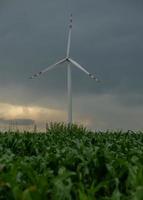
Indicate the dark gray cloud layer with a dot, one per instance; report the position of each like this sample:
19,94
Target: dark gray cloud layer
107,39
20,122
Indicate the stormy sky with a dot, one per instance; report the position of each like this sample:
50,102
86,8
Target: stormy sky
106,39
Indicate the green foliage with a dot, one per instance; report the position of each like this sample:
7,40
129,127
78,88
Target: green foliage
70,162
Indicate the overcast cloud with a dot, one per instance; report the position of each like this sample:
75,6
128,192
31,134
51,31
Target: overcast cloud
106,39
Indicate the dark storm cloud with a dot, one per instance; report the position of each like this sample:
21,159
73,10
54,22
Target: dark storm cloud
107,39
20,122
104,112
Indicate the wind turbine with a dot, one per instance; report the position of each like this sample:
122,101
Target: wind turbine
69,61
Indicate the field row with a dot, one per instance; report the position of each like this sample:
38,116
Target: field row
71,163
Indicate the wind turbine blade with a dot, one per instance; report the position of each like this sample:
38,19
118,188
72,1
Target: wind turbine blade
48,68
83,69
69,37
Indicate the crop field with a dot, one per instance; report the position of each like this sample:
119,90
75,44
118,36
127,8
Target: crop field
71,163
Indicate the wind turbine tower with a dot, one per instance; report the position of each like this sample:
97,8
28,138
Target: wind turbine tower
69,61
